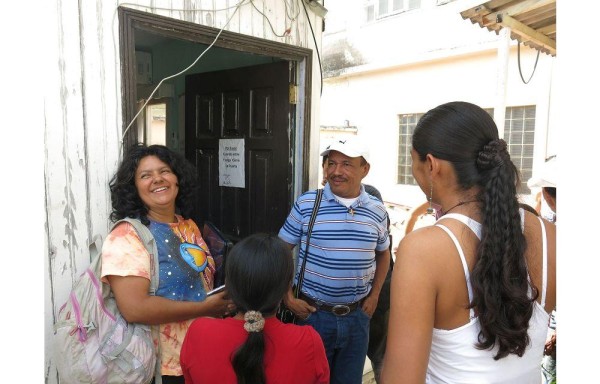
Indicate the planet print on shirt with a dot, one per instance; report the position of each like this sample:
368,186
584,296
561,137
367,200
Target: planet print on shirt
194,255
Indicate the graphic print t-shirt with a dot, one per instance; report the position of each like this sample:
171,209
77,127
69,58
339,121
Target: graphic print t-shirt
186,272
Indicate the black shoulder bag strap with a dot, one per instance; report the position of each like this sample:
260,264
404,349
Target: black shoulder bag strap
311,223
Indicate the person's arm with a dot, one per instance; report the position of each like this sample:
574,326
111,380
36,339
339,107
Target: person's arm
382,265
126,266
412,311
414,216
298,306
138,306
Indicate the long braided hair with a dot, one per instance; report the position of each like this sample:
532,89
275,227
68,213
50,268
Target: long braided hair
466,136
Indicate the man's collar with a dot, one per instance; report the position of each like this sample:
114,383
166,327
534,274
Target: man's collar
362,199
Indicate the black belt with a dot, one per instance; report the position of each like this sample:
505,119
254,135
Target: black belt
338,309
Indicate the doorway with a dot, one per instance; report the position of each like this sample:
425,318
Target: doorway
250,106
262,204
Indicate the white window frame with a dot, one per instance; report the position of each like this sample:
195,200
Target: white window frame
406,129
519,123
403,6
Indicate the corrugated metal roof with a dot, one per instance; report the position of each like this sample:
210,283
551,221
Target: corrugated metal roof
532,22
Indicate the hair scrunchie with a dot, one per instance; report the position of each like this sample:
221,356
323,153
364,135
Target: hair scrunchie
254,321
493,155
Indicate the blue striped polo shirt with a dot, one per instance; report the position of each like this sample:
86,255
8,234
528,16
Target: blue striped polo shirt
341,257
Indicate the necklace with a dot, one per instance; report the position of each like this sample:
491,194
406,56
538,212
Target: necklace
458,205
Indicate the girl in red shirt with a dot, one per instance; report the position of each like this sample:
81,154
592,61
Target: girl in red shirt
254,346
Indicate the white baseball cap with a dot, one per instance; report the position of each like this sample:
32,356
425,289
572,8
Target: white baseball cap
349,147
546,177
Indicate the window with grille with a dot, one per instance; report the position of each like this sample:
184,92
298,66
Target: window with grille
519,126
407,127
382,8
519,132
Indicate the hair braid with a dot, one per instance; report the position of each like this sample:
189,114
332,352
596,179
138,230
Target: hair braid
499,278
465,135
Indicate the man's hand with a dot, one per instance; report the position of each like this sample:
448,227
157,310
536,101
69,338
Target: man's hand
299,307
550,347
370,304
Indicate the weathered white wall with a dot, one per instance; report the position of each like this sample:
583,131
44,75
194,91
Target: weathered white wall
82,112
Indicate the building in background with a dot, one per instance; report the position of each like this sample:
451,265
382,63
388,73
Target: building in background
386,62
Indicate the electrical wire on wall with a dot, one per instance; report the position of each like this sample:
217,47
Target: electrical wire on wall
178,73
316,46
292,19
519,63
289,10
236,7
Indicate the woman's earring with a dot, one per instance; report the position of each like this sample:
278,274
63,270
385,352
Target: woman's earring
430,210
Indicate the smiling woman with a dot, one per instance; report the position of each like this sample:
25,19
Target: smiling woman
156,185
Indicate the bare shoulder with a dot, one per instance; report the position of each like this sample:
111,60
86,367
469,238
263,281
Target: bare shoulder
533,229
426,248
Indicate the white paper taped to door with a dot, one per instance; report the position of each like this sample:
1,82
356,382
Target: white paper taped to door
231,163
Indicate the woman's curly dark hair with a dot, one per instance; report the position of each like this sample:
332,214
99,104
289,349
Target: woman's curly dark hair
466,136
126,201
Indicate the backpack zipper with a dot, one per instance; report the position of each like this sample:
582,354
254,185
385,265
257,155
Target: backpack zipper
99,294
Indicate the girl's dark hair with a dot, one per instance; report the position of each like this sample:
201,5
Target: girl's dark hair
467,137
258,273
126,201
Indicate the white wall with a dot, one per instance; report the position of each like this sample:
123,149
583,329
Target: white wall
83,121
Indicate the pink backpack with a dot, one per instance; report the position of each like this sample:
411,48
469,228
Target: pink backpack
93,343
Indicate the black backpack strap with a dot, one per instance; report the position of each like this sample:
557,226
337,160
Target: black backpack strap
311,223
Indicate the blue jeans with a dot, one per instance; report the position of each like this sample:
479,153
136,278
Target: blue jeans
346,339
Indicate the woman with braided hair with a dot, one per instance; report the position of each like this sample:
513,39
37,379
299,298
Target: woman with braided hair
471,294
254,347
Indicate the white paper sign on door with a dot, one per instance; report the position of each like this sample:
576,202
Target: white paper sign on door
231,163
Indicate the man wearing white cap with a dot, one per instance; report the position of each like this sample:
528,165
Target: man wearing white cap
546,179
348,259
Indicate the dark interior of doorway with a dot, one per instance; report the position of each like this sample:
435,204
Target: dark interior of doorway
169,45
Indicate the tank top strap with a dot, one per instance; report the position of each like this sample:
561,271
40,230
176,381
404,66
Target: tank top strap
544,263
476,228
464,264
472,224
544,259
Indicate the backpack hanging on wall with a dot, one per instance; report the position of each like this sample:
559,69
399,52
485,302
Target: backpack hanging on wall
93,343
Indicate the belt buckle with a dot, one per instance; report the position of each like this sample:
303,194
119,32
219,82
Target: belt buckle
340,310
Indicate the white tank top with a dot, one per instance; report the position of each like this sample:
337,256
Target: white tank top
454,358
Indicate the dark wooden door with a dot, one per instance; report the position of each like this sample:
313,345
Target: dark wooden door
250,103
